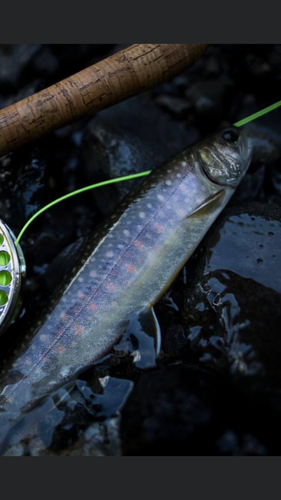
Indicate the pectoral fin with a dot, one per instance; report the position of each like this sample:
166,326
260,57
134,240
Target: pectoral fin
144,333
150,325
208,204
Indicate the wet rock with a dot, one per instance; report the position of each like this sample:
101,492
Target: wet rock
174,340
254,430
106,400
42,279
272,184
261,180
98,401
175,105
184,410
181,409
131,137
80,54
45,63
22,93
22,177
171,412
232,444
208,98
14,59
251,188
109,154
60,428
233,297
54,230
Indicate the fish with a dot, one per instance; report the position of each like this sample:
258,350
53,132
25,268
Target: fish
126,268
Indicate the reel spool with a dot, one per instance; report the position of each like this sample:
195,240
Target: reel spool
12,269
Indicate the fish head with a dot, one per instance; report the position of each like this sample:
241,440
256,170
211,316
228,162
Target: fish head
226,156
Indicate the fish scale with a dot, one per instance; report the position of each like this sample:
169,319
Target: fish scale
139,252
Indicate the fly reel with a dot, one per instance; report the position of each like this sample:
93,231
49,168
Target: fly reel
12,269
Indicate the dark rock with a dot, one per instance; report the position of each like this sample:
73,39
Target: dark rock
174,339
208,98
172,411
109,154
230,443
45,63
73,54
184,410
177,106
22,177
251,188
131,137
25,91
233,298
14,59
272,184
60,428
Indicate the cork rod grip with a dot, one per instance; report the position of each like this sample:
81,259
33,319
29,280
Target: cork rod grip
120,76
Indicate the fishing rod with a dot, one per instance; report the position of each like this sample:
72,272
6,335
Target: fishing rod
125,74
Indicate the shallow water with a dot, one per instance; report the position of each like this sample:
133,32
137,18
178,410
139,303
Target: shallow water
233,314
247,243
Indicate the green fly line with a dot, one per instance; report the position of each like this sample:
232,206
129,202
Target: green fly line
240,123
79,191
257,115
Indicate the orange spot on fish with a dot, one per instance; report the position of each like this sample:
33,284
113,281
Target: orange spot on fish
78,329
158,228
61,349
63,316
155,247
77,311
130,268
113,272
110,287
28,361
43,337
180,212
81,295
138,244
93,307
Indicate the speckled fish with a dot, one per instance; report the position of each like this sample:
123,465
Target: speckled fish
137,256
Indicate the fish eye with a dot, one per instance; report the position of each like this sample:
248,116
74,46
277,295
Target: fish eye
230,135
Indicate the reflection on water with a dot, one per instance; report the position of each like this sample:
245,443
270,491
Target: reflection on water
247,243
83,418
233,314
